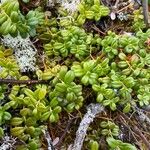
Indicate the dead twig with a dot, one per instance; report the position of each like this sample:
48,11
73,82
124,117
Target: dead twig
137,130
126,7
13,81
98,30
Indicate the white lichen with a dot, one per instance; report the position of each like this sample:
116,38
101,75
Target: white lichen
7,143
24,51
70,6
122,16
92,111
50,3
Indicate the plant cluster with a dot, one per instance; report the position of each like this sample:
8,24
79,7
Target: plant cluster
91,10
118,144
115,69
72,40
138,22
110,130
67,92
13,22
8,64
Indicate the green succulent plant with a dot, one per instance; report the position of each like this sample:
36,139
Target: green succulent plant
138,21
118,144
109,128
32,144
3,89
129,43
8,64
143,95
73,40
94,145
4,115
90,70
67,93
49,73
9,68
91,10
110,44
13,22
106,96
143,37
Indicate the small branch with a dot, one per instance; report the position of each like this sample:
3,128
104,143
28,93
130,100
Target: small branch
13,81
123,8
98,30
92,111
49,140
136,130
145,141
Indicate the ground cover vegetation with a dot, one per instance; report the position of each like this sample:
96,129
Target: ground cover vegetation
59,57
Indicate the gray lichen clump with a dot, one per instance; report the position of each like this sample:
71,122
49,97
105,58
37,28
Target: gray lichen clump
7,143
24,52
